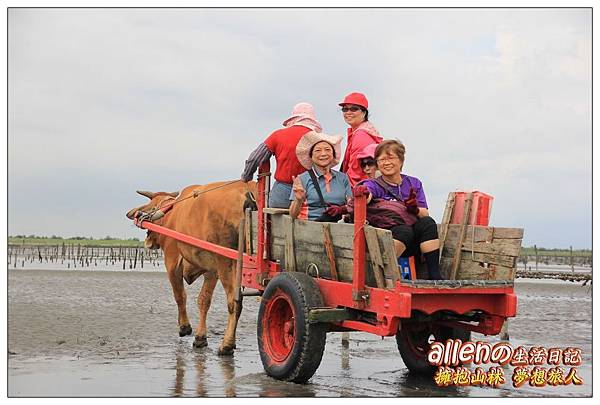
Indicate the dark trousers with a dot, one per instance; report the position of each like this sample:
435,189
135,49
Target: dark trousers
412,236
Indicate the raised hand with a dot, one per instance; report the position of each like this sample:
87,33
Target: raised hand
298,189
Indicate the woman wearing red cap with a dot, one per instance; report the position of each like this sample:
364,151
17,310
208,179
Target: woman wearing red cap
361,133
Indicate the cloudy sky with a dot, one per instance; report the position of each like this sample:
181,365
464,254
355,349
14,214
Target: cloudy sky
102,102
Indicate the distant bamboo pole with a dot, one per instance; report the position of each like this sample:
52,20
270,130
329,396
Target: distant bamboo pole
572,265
345,339
504,331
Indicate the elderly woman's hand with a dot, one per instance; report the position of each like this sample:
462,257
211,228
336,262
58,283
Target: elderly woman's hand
298,189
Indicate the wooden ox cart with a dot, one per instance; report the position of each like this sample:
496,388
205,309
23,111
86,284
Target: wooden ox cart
316,278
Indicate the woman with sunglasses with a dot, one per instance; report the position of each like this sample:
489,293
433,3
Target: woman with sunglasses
361,133
367,161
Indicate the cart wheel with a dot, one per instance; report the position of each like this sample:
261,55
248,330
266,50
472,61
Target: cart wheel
414,341
290,347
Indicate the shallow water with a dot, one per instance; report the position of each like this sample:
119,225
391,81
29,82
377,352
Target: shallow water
114,333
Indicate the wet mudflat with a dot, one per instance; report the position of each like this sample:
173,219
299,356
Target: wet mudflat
114,333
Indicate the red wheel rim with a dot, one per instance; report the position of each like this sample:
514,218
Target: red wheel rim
279,327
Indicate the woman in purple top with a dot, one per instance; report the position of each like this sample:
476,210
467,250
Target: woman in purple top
392,185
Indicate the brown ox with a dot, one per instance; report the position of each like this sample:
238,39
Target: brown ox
213,215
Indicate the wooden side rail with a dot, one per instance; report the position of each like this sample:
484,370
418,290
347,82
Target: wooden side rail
487,253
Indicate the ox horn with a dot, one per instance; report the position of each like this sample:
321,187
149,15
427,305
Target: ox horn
174,194
157,215
148,194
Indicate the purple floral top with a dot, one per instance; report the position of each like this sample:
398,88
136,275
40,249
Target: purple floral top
402,191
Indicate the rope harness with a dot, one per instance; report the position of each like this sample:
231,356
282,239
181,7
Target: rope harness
165,206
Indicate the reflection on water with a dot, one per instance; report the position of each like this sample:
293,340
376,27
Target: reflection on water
419,385
177,389
201,362
83,344
271,388
345,357
228,369
200,367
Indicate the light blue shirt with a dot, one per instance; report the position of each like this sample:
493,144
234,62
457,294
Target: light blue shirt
339,192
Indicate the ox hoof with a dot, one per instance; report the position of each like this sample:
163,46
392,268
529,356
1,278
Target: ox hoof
185,330
200,341
226,351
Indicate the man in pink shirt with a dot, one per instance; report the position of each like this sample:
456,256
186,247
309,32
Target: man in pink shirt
361,133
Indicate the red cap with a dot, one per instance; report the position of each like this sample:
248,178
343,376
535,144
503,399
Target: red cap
356,98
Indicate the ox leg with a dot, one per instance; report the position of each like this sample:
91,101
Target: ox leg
204,300
175,273
234,308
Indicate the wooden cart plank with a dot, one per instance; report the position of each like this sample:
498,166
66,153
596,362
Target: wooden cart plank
504,247
470,270
503,260
248,230
461,235
375,255
389,255
290,254
443,227
329,250
482,233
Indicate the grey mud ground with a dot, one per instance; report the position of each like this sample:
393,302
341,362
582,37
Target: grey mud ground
114,333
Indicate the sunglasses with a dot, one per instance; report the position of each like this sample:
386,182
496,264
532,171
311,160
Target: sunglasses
367,162
353,109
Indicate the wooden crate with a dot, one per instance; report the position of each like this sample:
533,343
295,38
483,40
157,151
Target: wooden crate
472,252
486,253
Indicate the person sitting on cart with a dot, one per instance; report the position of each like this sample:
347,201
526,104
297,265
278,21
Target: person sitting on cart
320,186
397,202
282,143
393,185
367,161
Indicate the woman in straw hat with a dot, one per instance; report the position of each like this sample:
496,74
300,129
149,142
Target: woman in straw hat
320,186
282,143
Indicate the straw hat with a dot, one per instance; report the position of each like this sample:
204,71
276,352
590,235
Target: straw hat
304,110
311,138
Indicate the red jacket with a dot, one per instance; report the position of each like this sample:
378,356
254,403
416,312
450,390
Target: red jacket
362,136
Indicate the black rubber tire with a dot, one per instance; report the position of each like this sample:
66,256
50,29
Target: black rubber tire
413,349
306,351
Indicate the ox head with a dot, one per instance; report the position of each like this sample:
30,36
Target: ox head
156,201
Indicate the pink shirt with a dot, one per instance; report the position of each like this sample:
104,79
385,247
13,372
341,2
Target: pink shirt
364,135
